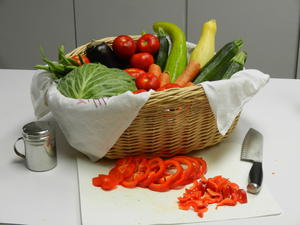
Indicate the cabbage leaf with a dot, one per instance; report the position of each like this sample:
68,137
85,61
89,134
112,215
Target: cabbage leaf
94,80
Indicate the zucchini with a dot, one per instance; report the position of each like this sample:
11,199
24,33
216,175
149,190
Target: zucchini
217,65
236,64
177,59
162,55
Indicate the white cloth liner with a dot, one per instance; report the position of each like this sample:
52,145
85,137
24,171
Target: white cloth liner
227,97
93,126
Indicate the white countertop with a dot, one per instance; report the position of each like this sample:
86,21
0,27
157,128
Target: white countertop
52,197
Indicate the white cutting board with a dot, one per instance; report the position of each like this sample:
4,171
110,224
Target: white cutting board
142,206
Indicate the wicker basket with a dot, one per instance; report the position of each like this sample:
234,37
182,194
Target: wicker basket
175,121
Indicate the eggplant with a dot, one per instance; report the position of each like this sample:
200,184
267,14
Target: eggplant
102,53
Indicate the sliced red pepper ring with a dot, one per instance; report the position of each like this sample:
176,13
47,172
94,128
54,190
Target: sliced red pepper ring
196,167
168,179
141,172
157,169
124,168
203,164
186,177
200,166
106,182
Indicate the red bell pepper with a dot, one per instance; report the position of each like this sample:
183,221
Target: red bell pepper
217,190
157,169
186,177
124,168
169,178
141,172
106,182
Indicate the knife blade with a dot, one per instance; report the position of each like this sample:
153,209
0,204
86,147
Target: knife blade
252,150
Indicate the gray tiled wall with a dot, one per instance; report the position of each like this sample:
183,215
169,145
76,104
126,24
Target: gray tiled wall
268,27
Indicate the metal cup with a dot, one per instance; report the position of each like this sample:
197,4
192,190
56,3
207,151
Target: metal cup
39,144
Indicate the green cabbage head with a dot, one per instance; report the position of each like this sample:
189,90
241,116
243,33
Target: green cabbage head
94,80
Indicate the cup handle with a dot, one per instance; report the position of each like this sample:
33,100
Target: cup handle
15,148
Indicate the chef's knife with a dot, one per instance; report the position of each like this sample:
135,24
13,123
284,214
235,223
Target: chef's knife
252,151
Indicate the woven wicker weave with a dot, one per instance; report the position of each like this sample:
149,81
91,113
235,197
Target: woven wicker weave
175,121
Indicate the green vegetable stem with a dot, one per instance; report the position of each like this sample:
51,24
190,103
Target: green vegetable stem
58,69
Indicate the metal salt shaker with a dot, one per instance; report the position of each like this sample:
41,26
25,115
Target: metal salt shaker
40,147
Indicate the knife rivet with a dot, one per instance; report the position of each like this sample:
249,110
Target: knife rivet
253,188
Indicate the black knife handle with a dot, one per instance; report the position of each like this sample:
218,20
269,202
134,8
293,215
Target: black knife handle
255,178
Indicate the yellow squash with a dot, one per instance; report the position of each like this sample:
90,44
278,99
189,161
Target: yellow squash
205,48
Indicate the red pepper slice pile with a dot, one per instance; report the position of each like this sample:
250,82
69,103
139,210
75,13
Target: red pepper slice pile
161,175
156,173
217,190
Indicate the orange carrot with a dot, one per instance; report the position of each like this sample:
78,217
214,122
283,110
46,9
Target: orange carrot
154,69
189,84
190,72
164,79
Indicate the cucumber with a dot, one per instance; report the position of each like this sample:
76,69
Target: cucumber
177,59
217,65
162,55
236,64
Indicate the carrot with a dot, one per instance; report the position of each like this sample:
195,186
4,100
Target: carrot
190,72
164,79
189,84
154,69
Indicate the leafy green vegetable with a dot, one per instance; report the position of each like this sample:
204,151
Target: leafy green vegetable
58,69
93,80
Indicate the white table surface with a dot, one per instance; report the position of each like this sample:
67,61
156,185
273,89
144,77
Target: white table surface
52,197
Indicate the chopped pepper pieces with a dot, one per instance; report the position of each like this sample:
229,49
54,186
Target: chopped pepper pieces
217,190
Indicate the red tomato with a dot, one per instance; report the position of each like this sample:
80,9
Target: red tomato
83,57
148,43
134,72
124,46
139,91
142,60
147,81
168,86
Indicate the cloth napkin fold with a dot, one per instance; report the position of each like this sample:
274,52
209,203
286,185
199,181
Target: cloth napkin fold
93,126
227,97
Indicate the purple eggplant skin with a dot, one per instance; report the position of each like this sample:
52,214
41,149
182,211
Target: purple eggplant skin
102,53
